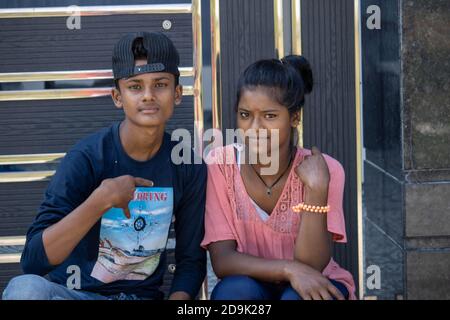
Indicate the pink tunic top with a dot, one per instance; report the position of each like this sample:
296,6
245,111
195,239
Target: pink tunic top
230,214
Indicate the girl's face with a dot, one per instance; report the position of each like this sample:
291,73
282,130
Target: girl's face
258,110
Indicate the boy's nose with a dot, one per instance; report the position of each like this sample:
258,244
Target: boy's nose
148,94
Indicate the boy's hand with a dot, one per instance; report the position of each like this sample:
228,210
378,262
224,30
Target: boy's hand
118,192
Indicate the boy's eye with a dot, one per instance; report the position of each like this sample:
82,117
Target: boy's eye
244,115
135,87
161,85
270,116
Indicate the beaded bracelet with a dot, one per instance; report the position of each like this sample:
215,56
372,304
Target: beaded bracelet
304,207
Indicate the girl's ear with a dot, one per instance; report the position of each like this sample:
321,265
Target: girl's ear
178,94
117,98
296,119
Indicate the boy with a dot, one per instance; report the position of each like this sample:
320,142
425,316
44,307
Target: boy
92,252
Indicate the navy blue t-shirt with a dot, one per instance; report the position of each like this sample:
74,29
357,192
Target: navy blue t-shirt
85,166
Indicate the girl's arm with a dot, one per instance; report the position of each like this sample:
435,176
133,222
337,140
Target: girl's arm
309,283
313,245
227,261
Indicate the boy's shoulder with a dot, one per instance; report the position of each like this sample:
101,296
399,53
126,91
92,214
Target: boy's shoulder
95,142
182,153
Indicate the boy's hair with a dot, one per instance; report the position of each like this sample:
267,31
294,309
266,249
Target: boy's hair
165,51
288,80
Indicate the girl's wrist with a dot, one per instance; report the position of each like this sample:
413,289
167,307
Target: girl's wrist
287,270
316,197
292,269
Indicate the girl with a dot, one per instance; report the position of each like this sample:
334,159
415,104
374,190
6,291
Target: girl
263,242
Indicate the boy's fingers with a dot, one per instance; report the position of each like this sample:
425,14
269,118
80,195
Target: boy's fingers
141,182
127,212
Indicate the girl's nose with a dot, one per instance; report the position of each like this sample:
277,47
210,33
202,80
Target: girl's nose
256,124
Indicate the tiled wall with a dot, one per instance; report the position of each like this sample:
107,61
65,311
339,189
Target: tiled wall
426,147
406,125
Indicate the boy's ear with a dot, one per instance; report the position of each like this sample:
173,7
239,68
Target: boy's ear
117,98
295,119
178,94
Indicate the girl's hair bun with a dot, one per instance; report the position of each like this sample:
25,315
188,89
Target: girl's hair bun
302,66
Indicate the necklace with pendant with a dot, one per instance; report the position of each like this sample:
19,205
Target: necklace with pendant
269,188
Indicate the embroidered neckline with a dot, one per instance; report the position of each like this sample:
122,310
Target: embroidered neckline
281,219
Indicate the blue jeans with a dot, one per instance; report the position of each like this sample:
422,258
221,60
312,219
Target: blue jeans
246,288
33,287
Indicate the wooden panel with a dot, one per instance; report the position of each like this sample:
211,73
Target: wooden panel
46,44
60,3
246,29
19,204
7,272
48,126
329,115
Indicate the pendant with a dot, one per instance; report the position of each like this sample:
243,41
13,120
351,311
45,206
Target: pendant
269,191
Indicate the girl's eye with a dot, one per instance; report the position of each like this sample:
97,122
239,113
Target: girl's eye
270,116
243,114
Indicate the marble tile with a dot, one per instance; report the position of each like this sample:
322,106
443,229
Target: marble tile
426,84
427,209
427,275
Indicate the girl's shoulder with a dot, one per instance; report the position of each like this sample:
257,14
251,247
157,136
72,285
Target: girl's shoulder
224,155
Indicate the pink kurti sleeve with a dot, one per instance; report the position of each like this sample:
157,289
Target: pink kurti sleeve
336,221
219,224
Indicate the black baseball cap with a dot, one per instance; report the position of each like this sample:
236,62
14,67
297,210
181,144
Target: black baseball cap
162,56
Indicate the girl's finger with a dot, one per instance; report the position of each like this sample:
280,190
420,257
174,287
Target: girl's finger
316,296
325,295
306,296
335,292
315,151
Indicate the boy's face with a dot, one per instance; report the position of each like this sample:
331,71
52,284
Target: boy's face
148,99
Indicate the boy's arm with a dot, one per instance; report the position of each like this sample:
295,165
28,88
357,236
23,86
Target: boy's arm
69,211
61,238
189,229
71,185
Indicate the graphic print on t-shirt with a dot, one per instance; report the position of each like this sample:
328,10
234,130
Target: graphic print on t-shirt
130,249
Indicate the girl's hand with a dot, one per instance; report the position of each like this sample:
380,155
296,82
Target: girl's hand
310,284
313,171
